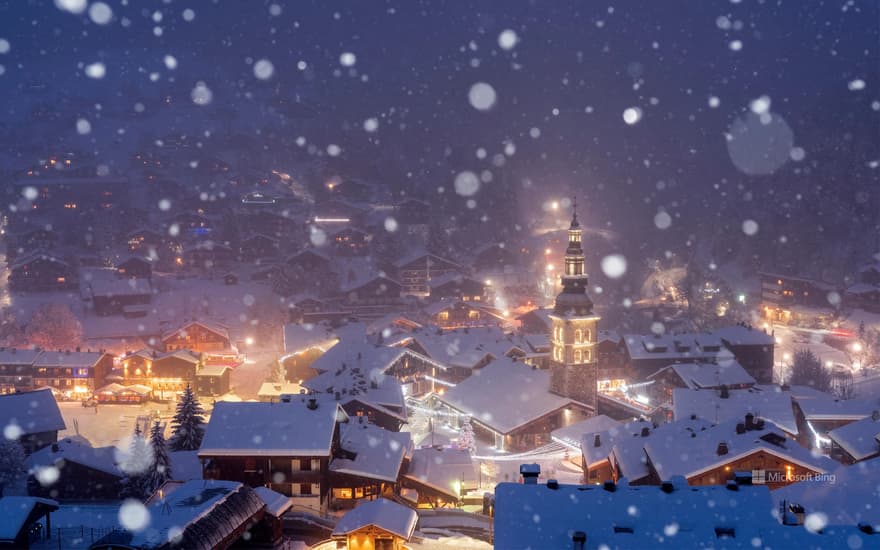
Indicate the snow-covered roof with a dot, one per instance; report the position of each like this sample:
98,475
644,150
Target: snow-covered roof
850,499
34,411
298,337
216,328
520,394
378,453
608,438
860,439
15,511
710,375
269,390
825,406
203,514
629,446
13,356
675,346
533,517
571,435
692,454
767,401
462,347
120,287
382,513
75,359
271,429
276,503
213,370
862,288
418,255
182,354
739,335
541,313
79,451
442,468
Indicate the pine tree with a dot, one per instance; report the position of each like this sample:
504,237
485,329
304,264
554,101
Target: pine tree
11,462
160,470
807,370
466,439
188,424
136,466
278,374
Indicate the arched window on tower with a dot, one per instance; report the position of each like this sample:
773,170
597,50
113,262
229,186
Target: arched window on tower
578,356
588,335
588,355
578,336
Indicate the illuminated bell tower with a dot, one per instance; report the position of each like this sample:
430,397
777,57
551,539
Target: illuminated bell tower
574,366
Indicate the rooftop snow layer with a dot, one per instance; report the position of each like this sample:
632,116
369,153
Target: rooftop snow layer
34,411
378,453
382,513
768,402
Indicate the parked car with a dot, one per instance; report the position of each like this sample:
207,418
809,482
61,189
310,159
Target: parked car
90,402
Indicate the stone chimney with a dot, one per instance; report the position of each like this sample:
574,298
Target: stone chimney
722,449
313,403
529,473
750,421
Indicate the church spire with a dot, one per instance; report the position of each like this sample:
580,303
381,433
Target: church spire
574,299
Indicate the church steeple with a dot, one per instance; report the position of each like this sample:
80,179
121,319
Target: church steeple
574,299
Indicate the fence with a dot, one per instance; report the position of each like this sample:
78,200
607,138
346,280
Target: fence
64,538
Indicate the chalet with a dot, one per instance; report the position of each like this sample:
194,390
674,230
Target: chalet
611,516
206,514
375,291
20,516
536,321
857,441
137,366
135,267
41,271
72,373
73,190
752,348
31,238
303,344
304,448
309,260
367,465
172,371
572,435
439,476
863,296
17,369
381,524
818,413
258,245
208,254
455,286
495,258
416,271
697,376
129,296
37,416
213,380
84,472
646,354
200,337
522,412
457,314
712,456
781,293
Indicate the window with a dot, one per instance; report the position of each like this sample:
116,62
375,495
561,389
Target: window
578,356
344,492
578,336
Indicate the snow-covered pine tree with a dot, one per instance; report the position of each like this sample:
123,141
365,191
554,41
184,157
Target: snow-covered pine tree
278,374
466,439
11,462
188,424
160,471
136,466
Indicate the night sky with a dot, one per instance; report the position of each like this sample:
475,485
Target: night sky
692,68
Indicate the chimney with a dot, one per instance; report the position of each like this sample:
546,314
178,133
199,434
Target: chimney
609,486
722,449
578,540
552,484
667,487
750,421
336,395
740,428
645,431
732,485
875,416
597,442
313,403
530,473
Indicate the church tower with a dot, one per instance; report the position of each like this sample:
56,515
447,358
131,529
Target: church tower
574,368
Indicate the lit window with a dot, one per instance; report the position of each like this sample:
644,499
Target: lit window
578,336
60,279
578,356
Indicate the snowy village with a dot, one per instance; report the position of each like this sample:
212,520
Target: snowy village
439,275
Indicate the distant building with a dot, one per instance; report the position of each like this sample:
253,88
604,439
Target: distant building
857,441
213,380
135,267
72,373
41,271
381,524
783,295
84,472
17,369
416,271
200,337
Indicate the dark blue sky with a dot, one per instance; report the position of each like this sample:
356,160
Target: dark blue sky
588,61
